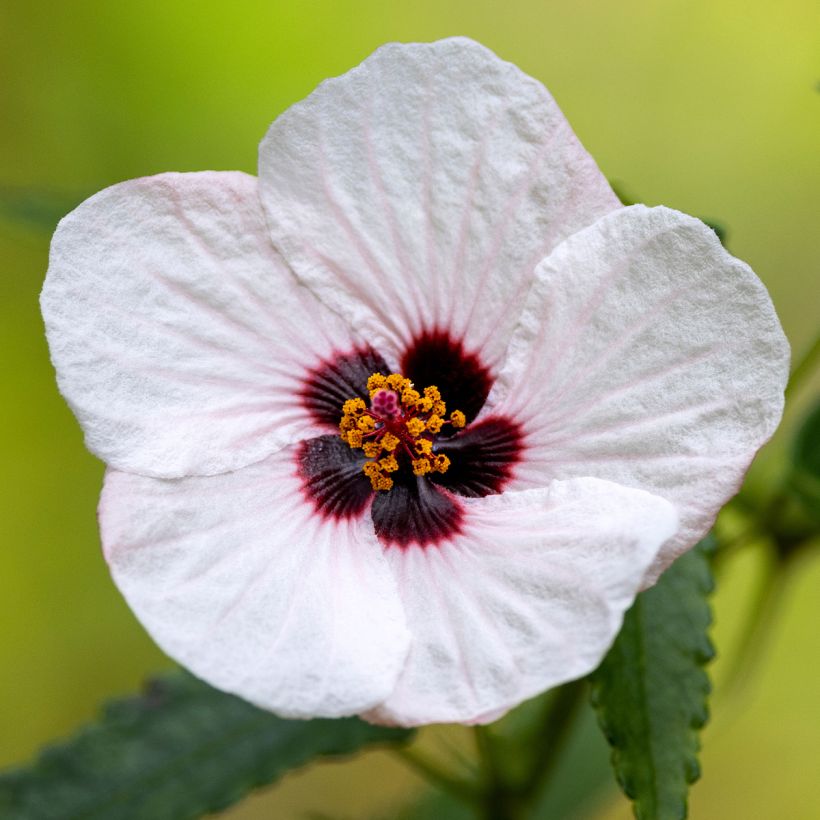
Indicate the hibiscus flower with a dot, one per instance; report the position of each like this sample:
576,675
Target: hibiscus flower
401,427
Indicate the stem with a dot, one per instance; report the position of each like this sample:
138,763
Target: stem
804,367
763,610
460,788
559,717
500,802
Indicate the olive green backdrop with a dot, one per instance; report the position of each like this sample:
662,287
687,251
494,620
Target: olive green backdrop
709,107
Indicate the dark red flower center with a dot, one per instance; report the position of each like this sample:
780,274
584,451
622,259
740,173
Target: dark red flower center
395,449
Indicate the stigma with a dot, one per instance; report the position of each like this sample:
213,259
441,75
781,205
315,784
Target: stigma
399,428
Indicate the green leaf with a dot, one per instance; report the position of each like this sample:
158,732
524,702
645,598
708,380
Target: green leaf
651,690
805,476
35,209
180,750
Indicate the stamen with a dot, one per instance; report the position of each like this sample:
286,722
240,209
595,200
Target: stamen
399,428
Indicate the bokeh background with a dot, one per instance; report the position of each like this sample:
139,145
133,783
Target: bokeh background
709,107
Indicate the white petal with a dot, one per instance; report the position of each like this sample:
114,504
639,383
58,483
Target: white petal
531,595
649,356
236,577
180,338
420,189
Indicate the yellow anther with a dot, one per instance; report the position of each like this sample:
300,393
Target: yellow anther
458,418
421,466
390,442
372,448
415,422
354,407
389,464
409,397
434,424
366,424
415,427
424,446
424,404
441,463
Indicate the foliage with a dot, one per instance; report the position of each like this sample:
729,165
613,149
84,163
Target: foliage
651,689
180,750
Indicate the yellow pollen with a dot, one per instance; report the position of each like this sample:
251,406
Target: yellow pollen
424,404
424,446
421,466
457,418
415,427
389,464
390,442
366,424
383,482
354,407
441,463
434,424
388,436
409,397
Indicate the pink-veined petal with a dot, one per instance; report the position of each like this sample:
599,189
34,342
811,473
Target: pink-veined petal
419,190
181,339
649,356
238,579
530,595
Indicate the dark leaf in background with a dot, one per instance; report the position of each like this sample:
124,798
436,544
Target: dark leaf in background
651,690
805,477
180,750
35,209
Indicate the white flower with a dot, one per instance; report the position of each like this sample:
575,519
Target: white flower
429,213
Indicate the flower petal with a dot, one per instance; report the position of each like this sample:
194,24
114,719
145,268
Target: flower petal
482,457
530,595
236,578
649,356
418,191
181,340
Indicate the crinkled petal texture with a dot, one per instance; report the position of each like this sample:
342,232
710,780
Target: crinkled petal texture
237,578
180,337
529,596
649,356
419,190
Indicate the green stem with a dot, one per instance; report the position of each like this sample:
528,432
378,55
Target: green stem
763,610
557,723
460,788
499,801
804,367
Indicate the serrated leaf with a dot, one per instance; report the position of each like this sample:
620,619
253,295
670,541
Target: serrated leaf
651,690
180,750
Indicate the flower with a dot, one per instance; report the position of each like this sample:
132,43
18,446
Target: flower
400,428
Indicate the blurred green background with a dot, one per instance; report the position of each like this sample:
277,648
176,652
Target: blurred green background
709,107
